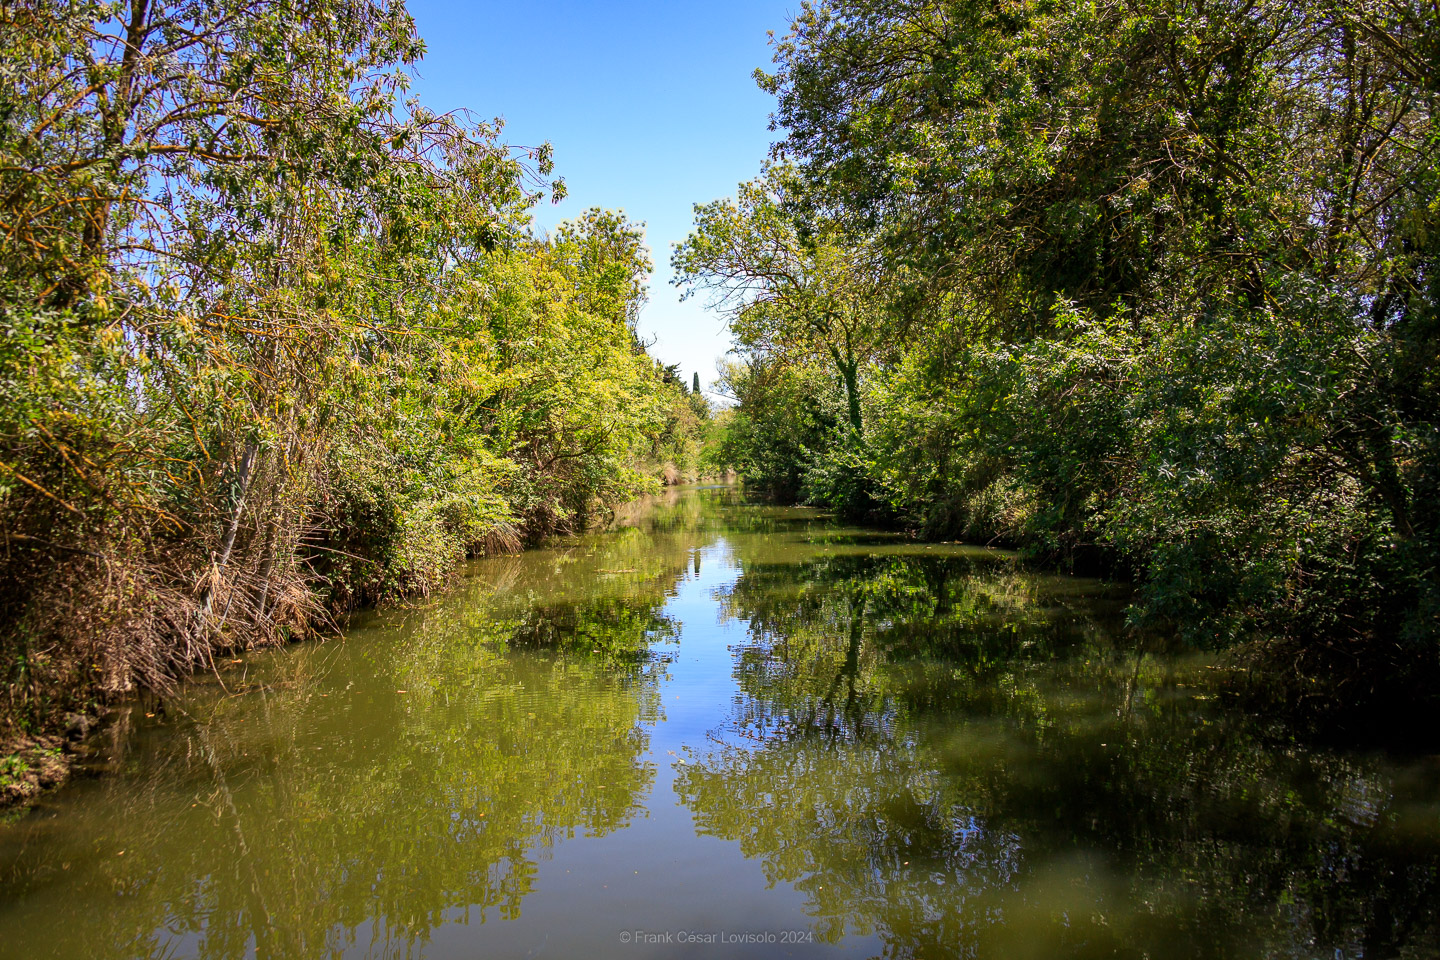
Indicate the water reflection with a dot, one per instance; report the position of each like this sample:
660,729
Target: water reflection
963,760
357,795
724,716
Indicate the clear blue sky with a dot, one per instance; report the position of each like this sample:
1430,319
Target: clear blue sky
651,108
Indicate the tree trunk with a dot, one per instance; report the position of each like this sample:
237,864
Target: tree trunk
228,543
852,391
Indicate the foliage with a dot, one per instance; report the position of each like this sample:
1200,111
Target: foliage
794,288
1159,297
780,417
278,339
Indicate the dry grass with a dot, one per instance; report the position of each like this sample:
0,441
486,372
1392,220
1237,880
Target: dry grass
500,539
103,624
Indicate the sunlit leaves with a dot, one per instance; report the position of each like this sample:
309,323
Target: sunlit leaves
1166,281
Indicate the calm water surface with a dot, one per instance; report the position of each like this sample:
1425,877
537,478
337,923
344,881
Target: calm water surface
726,730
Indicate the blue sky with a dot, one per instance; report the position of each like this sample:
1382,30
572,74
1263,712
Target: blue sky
651,108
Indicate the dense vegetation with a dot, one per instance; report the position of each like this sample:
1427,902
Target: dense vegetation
1138,286
278,340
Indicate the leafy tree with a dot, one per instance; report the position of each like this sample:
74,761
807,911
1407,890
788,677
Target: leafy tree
794,291
277,338
780,421
1161,299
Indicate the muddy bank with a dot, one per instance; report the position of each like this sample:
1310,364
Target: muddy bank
32,764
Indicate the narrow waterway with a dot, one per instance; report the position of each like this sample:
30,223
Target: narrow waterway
726,729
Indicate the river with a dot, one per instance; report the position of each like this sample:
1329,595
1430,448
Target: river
726,729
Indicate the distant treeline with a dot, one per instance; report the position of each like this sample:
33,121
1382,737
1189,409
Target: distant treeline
1142,287
276,340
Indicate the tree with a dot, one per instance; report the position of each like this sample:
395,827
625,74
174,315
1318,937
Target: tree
1172,301
794,287
275,338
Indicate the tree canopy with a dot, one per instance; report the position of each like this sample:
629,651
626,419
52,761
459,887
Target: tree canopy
1159,297
280,339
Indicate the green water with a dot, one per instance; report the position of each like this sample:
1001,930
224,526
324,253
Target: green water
726,730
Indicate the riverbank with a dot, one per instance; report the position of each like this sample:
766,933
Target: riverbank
30,766
42,757
32,763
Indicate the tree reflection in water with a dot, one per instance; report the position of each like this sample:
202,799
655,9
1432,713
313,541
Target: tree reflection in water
361,793
965,760
936,749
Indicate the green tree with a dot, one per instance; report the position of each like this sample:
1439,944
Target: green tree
1163,297
278,338
795,289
